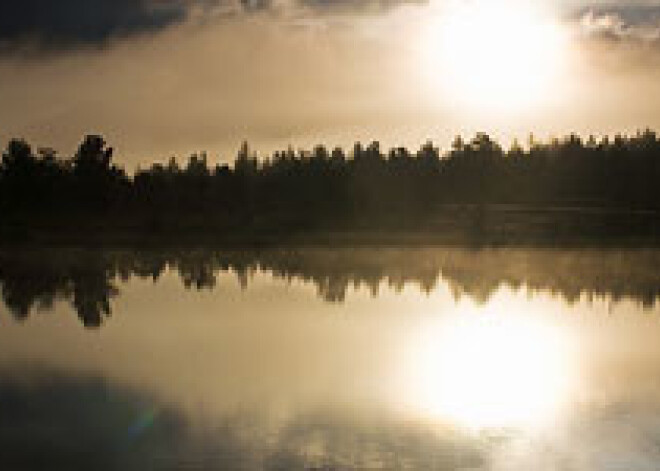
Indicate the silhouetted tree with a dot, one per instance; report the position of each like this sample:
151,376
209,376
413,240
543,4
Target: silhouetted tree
292,192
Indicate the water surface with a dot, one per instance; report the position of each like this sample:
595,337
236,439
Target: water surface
492,359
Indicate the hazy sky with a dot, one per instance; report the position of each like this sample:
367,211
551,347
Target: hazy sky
164,77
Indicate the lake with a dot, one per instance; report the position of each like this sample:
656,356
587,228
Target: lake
330,359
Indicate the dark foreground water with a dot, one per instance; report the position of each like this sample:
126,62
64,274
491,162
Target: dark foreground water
311,359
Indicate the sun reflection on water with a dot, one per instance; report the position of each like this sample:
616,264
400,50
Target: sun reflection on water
492,367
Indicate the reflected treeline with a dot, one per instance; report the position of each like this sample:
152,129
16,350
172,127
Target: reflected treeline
593,188
33,280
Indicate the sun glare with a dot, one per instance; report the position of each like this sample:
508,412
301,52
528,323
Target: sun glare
494,55
491,370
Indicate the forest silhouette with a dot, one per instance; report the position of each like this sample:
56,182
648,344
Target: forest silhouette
567,188
88,279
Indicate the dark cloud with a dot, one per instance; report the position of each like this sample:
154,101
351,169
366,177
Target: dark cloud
52,25
251,5
326,6
633,14
632,22
358,5
61,24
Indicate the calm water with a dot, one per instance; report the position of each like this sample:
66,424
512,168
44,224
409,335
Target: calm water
424,359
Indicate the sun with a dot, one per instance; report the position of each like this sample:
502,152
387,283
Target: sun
494,55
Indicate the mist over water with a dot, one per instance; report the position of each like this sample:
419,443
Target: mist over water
493,359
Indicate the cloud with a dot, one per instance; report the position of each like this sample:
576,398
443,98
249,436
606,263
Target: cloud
65,23
360,6
639,23
48,25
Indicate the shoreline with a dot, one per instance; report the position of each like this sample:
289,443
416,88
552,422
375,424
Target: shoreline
478,226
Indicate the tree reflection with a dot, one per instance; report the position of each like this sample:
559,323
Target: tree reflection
88,279
35,280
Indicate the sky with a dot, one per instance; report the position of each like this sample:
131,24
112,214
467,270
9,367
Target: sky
171,77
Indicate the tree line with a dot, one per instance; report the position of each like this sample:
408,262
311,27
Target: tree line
298,190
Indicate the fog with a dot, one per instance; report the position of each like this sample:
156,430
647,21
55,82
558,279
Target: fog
276,74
